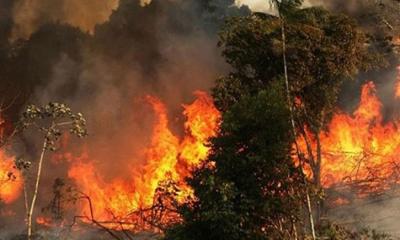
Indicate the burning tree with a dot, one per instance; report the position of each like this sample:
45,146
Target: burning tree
248,188
321,51
51,120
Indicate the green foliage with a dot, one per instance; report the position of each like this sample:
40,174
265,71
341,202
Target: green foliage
249,185
379,19
322,49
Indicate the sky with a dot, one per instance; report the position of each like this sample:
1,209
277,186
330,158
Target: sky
255,5
263,5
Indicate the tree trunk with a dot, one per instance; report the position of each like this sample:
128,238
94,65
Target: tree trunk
310,215
309,207
35,193
26,201
317,177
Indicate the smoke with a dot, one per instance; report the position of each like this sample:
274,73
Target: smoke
380,213
381,22
102,59
140,51
255,5
334,4
265,6
29,15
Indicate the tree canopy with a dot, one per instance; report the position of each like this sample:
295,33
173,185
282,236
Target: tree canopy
249,184
323,50
249,187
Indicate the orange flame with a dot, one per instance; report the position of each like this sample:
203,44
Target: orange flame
360,148
10,179
44,221
396,41
167,157
202,123
397,85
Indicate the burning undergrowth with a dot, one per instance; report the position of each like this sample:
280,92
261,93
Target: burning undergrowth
130,67
91,195
167,157
166,50
360,148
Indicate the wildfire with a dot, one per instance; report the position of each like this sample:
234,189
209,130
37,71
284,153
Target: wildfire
361,147
168,157
10,180
397,84
44,221
202,123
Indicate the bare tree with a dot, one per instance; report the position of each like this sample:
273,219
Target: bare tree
51,120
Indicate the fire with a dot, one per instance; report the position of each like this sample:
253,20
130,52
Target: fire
361,148
168,157
44,221
10,179
397,84
396,41
161,156
202,123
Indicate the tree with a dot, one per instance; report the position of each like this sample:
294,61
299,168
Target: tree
323,50
248,188
314,51
51,120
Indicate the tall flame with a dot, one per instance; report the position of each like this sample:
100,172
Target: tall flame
10,179
361,147
167,157
202,123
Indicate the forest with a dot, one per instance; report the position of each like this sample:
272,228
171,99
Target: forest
199,119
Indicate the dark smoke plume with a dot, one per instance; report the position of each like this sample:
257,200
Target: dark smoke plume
102,59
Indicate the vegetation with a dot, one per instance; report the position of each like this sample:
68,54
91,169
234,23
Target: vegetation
285,77
323,51
51,120
249,188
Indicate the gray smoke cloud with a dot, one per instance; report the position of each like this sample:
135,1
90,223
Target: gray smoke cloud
380,213
102,58
103,63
